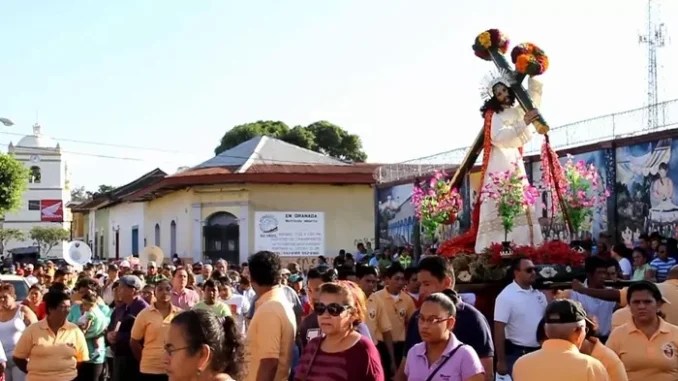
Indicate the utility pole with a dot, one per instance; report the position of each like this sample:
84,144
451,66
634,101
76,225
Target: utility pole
654,39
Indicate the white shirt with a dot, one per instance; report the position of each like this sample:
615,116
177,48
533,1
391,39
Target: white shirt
521,310
626,267
31,280
240,305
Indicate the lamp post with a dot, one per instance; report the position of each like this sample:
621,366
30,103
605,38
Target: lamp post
7,122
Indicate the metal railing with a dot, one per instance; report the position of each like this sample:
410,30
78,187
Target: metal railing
603,128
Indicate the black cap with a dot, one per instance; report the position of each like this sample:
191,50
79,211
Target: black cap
563,311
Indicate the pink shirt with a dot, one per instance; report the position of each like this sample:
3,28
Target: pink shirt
463,364
185,299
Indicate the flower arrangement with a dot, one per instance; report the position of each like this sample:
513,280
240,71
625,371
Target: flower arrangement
584,192
436,203
490,39
554,258
529,59
512,195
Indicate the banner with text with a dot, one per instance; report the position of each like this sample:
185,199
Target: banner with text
290,233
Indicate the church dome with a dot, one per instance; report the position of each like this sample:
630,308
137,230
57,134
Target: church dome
37,140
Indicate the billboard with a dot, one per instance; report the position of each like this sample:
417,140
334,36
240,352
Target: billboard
51,210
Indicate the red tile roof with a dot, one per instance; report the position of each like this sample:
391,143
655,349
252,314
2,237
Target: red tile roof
262,174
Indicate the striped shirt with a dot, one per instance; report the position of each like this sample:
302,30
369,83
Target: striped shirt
661,268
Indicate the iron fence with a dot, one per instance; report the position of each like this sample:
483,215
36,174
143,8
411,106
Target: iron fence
603,128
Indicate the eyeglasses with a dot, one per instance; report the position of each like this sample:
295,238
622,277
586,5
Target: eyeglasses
432,319
170,350
334,309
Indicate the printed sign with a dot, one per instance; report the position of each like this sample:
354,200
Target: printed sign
51,210
294,234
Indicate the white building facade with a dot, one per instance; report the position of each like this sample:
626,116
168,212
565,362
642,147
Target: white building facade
127,236
44,201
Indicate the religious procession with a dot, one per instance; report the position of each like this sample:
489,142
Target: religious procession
537,252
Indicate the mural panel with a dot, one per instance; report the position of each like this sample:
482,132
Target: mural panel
397,223
555,229
645,187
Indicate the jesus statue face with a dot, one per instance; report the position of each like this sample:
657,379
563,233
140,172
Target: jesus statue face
503,94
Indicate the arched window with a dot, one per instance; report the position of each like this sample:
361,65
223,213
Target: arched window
157,235
34,175
173,237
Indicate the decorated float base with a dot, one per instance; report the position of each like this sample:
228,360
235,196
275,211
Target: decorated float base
486,274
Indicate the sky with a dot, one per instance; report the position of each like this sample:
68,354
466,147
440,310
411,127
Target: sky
128,86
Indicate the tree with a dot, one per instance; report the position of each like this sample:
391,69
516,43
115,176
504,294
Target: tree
103,188
13,183
48,237
80,194
323,137
7,235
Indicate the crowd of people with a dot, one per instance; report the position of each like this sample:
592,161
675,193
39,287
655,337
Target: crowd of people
364,316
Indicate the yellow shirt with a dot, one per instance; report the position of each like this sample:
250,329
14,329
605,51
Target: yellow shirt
669,290
378,321
612,363
558,360
399,310
151,328
271,334
52,357
621,317
654,359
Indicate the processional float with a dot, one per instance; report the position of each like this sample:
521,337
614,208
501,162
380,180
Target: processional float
529,60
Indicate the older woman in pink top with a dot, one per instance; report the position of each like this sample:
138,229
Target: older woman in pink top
441,356
183,297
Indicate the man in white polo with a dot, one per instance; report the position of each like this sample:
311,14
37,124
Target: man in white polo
517,312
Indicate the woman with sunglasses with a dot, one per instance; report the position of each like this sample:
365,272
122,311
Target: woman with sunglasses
340,351
440,353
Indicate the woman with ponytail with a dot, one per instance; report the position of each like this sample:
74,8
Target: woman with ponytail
203,347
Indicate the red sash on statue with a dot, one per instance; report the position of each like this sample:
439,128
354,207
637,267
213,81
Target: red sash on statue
466,242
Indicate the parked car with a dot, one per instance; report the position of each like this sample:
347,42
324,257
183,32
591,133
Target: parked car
20,284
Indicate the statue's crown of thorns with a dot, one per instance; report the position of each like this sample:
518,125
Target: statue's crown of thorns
493,78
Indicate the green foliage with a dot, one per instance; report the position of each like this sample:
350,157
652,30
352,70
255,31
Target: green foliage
48,237
323,137
103,188
79,194
13,183
7,235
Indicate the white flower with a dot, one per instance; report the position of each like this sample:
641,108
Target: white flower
568,269
464,276
548,272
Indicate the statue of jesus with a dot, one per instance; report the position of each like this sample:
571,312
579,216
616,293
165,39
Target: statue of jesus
507,129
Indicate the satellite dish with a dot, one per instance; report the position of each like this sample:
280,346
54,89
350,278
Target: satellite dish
78,254
151,254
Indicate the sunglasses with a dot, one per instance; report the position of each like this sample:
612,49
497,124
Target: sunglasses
334,309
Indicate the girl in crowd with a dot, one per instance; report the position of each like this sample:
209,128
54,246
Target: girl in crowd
14,318
647,344
149,332
440,352
202,347
341,351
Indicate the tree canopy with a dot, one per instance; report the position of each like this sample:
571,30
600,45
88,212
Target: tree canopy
82,194
48,237
323,137
13,183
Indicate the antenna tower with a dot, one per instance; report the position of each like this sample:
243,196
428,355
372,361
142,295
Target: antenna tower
654,39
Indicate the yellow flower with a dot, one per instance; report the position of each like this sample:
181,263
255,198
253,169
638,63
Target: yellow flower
485,40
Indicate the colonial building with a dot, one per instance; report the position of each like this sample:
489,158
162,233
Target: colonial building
113,227
47,193
261,194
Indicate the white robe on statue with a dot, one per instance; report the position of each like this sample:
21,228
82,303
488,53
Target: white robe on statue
508,134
